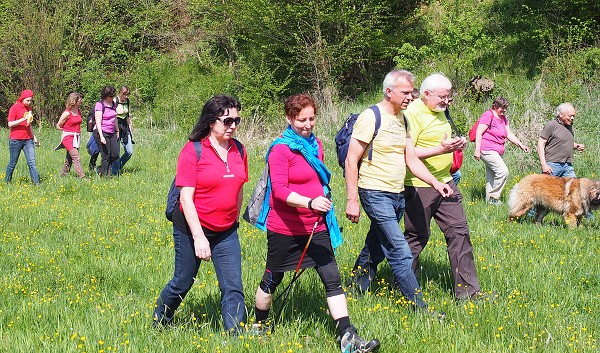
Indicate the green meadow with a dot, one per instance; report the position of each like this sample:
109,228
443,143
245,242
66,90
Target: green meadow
82,263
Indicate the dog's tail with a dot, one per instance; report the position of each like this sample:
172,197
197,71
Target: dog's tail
514,200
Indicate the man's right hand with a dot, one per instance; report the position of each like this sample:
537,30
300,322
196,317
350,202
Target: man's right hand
353,211
546,169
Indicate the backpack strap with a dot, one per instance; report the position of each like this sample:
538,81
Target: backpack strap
452,124
198,148
375,110
240,147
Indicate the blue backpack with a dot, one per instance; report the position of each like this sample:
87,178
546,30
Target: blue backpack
343,136
174,191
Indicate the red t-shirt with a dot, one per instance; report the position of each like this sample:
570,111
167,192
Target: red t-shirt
217,183
73,122
23,130
290,172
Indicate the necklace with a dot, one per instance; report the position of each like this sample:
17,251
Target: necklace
220,150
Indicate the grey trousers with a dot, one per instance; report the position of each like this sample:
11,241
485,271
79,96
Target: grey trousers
496,174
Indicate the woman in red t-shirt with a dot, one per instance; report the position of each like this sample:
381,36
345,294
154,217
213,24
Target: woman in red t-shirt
22,136
70,122
205,225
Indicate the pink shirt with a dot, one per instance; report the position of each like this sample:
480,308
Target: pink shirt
290,172
217,183
108,117
494,138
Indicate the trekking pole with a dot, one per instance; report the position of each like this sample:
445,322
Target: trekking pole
297,274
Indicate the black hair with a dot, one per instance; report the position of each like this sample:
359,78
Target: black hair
213,109
107,91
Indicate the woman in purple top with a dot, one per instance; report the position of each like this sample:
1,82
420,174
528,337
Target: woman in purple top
106,131
492,133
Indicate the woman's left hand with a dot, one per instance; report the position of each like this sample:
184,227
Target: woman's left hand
321,204
202,248
525,148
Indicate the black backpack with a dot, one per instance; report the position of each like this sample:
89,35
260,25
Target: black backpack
174,191
342,138
91,118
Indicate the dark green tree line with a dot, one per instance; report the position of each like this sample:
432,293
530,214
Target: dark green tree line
175,54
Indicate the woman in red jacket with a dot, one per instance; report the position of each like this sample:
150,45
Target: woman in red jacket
22,136
70,124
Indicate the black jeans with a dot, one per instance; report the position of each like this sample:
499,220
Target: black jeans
109,151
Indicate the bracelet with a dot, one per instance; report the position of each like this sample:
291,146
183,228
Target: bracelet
309,206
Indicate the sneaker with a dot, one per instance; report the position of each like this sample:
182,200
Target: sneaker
260,329
494,201
488,297
438,315
351,342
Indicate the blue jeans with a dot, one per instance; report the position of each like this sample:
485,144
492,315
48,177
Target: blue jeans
117,166
456,176
227,259
15,147
564,170
386,241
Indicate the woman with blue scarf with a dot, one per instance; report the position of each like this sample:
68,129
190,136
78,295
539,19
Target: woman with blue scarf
298,207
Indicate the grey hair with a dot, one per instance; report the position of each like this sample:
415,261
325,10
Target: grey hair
392,77
563,107
435,81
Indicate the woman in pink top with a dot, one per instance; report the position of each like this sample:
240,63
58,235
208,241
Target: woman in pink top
299,207
70,122
106,131
492,133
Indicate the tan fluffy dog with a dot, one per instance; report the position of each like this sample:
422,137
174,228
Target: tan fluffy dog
571,197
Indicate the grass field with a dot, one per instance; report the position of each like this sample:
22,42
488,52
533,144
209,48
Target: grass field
83,261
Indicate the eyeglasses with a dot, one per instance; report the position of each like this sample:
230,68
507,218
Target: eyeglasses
228,121
443,98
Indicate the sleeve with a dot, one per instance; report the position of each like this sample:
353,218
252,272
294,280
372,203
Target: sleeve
12,114
98,106
486,117
546,131
364,127
279,166
186,166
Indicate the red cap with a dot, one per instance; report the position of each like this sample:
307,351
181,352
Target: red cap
25,94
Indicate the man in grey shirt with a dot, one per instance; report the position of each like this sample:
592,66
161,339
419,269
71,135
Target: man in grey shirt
556,143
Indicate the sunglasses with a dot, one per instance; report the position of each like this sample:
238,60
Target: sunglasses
228,121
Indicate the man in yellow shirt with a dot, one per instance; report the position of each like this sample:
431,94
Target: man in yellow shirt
379,182
434,145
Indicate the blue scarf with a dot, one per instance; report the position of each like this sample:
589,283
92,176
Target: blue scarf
309,148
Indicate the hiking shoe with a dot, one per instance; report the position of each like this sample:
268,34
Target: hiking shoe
438,315
494,201
482,296
351,342
260,329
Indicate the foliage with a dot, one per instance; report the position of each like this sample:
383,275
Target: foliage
262,51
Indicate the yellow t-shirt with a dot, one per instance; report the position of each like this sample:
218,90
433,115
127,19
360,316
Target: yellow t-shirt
387,169
427,129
